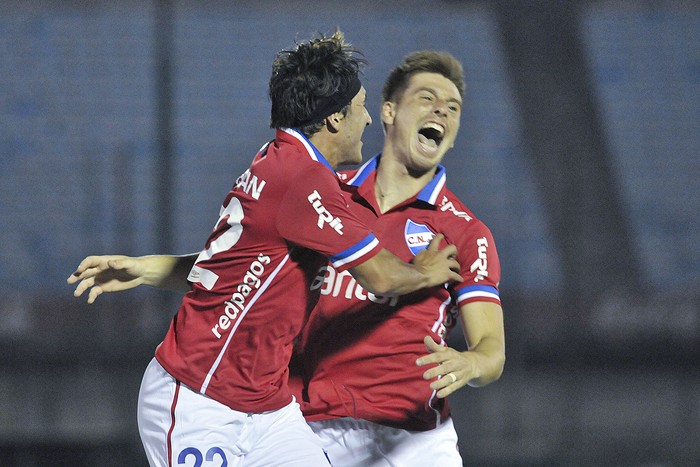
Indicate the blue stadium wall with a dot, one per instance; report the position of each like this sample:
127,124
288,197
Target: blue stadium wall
80,173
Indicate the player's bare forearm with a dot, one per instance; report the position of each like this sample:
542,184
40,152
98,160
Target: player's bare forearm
451,369
386,274
172,272
115,273
490,358
481,364
482,324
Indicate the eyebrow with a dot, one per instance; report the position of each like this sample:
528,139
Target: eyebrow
432,91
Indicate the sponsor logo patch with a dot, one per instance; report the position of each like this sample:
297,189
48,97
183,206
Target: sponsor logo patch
417,236
324,217
480,265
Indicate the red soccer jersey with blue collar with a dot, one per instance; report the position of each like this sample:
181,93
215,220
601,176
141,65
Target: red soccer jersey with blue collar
284,217
358,351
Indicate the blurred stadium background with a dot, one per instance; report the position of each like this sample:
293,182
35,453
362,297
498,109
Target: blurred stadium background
122,125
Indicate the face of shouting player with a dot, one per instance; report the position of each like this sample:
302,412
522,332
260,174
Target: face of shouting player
351,126
422,124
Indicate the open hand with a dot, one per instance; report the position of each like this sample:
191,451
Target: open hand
108,273
454,369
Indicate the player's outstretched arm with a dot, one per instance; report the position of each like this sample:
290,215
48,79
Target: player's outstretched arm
386,274
481,364
114,273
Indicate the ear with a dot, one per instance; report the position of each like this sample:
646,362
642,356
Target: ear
388,113
333,121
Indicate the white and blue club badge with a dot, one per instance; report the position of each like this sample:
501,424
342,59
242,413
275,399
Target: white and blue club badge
417,236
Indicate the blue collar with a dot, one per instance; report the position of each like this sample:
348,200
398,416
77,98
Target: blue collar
428,194
313,152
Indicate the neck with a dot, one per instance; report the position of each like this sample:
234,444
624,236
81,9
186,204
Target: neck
326,147
395,183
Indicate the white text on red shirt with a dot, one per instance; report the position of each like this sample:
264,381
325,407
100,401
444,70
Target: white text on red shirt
331,283
232,307
323,215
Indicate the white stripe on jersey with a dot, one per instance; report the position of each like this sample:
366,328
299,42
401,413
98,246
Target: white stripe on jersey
302,140
363,251
438,417
436,326
433,395
441,314
438,188
479,293
257,295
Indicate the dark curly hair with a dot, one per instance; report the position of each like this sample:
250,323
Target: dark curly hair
305,77
428,61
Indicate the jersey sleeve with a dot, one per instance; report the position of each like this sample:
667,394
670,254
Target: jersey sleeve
481,268
314,214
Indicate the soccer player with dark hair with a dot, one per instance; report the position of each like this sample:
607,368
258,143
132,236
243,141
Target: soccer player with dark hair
217,387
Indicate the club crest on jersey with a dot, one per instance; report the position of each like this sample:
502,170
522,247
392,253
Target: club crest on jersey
417,236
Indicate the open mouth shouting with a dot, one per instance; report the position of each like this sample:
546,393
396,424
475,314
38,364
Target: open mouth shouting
430,135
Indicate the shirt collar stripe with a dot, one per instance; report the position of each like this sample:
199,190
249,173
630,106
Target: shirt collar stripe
428,194
364,172
313,152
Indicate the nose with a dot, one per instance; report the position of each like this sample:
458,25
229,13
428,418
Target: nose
440,107
369,118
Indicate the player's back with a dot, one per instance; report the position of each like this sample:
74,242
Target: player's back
232,336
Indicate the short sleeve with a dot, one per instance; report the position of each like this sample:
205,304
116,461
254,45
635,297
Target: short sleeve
481,268
314,214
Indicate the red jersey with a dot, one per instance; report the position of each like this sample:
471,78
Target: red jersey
358,351
232,336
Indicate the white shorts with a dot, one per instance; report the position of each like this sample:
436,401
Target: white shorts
179,426
359,443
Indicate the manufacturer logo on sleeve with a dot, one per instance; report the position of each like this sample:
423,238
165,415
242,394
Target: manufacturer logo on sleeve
418,236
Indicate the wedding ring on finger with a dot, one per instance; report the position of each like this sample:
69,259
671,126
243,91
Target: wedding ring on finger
452,376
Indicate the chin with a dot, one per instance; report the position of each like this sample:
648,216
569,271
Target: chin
427,159
357,159
352,161
426,163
